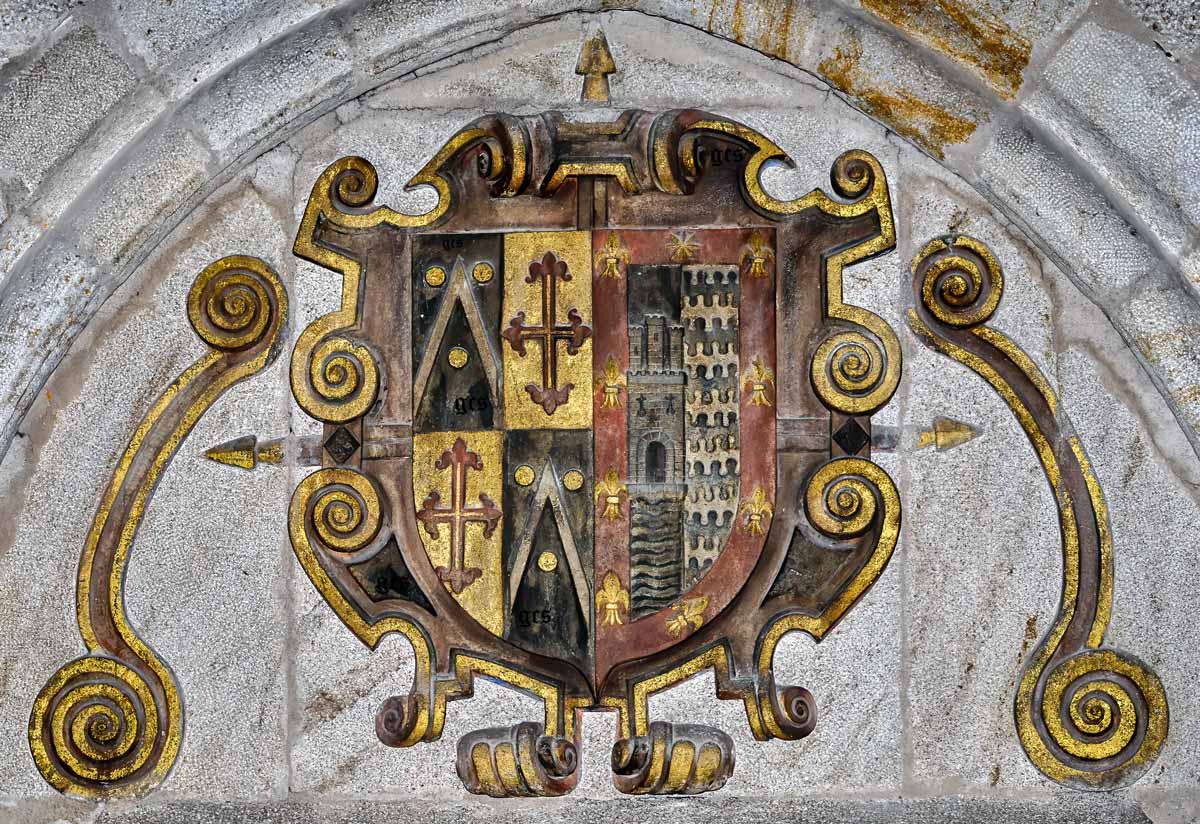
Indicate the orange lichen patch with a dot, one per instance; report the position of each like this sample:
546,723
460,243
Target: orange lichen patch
903,112
965,32
763,25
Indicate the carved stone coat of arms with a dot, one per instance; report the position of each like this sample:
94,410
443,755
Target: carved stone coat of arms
597,421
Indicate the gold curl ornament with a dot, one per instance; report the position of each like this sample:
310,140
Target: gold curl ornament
344,509
94,721
840,499
961,281
1105,719
344,374
230,303
848,368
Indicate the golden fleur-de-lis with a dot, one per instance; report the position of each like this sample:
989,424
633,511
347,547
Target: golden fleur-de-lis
683,246
612,256
758,254
757,509
612,600
760,379
688,612
610,384
610,490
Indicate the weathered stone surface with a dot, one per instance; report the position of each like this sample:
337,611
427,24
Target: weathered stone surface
1178,24
942,811
23,23
51,105
1101,93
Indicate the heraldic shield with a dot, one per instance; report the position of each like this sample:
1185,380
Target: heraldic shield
597,422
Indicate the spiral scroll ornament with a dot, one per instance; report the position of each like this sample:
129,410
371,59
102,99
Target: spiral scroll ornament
1101,720
231,303
960,280
96,722
674,759
794,710
517,762
841,499
342,510
849,368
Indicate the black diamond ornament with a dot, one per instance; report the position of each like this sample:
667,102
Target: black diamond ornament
851,437
341,444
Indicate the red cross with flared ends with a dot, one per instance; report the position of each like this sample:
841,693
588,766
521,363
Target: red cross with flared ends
550,270
458,515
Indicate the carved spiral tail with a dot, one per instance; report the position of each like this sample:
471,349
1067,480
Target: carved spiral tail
853,174
517,762
794,710
1101,721
96,729
841,499
674,759
961,282
341,510
848,370
232,303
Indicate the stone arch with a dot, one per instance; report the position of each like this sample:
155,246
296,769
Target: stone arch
137,160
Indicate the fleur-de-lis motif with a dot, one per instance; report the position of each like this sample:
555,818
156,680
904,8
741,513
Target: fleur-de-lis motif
689,612
758,254
612,600
610,384
760,379
610,490
757,509
683,246
612,256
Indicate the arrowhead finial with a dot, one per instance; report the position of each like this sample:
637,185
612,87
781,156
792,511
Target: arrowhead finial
245,452
946,433
595,64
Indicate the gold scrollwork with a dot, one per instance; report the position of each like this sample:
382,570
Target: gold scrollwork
517,762
333,378
673,759
844,499
1087,716
109,725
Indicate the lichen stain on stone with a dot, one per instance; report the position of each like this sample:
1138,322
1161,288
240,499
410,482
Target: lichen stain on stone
763,25
906,114
967,33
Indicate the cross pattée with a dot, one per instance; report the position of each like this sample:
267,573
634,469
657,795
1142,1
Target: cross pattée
549,271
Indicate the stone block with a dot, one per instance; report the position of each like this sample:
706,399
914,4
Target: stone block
263,94
1177,24
1069,214
24,23
51,105
892,82
992,40
188,42
1163,322
396,36
133,207
46,306
1105,94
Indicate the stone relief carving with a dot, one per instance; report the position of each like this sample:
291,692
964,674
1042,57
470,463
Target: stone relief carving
598,421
